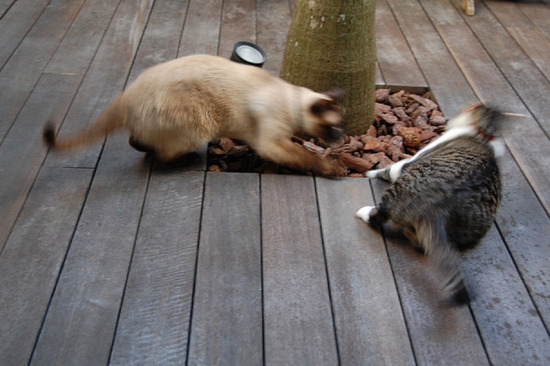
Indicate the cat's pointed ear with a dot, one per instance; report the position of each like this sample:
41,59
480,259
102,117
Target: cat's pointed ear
321,106
335,94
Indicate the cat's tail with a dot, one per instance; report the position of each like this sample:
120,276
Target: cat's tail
431,233
115,116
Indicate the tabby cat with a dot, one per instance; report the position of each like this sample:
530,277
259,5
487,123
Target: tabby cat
445,197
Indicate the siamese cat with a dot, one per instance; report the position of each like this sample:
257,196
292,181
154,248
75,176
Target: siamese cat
445,197
177,106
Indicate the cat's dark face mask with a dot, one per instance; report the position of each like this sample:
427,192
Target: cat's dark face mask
328,115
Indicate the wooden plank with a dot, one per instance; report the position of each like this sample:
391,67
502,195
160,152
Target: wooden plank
378,77
15,21
535,44
33,256
22,71
227,309
298,324
105,78
4,6
508,13
512,331
396,60
440,70
154,320
538,14
492,87
162,35
273,21
201,31
22,152
89,291
370,325
525,228
440,334
155,316
238,24
78,48
80,323
526,79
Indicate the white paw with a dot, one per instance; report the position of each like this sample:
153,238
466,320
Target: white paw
364,213
372,173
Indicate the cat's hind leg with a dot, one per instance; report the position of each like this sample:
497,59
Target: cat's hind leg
375,216
432,236
139,146
365,212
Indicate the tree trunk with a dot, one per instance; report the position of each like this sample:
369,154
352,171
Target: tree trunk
331,43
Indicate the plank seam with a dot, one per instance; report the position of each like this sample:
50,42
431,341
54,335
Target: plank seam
332,312
193,292
136,236
395,283
63,262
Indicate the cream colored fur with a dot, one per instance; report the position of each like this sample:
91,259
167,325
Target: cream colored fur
177,106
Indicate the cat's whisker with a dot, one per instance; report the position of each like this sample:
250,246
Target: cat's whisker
516,115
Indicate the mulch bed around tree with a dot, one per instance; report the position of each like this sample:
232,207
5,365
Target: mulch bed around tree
404,123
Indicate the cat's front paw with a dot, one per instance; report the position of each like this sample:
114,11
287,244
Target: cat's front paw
372,173
364,213
329,167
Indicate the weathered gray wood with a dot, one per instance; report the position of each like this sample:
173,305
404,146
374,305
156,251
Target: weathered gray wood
507,12
439,68
378,77
22,151
33,256
84,302
535,44
272,23
508,273
525,227
520,134
79,45
22,71
4,6
201,32
526,79
105,77
538,14
162,35
512,331
298,322
16,18
89,291
154,321
238,24
396,61
227,309
441,335
370,325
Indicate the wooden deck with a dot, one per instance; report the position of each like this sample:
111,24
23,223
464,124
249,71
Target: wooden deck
106,259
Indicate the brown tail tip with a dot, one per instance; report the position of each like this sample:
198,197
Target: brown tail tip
49,134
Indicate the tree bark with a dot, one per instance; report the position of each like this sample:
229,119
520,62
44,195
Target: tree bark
331,43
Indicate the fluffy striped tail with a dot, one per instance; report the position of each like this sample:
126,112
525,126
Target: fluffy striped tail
115,116
432,235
